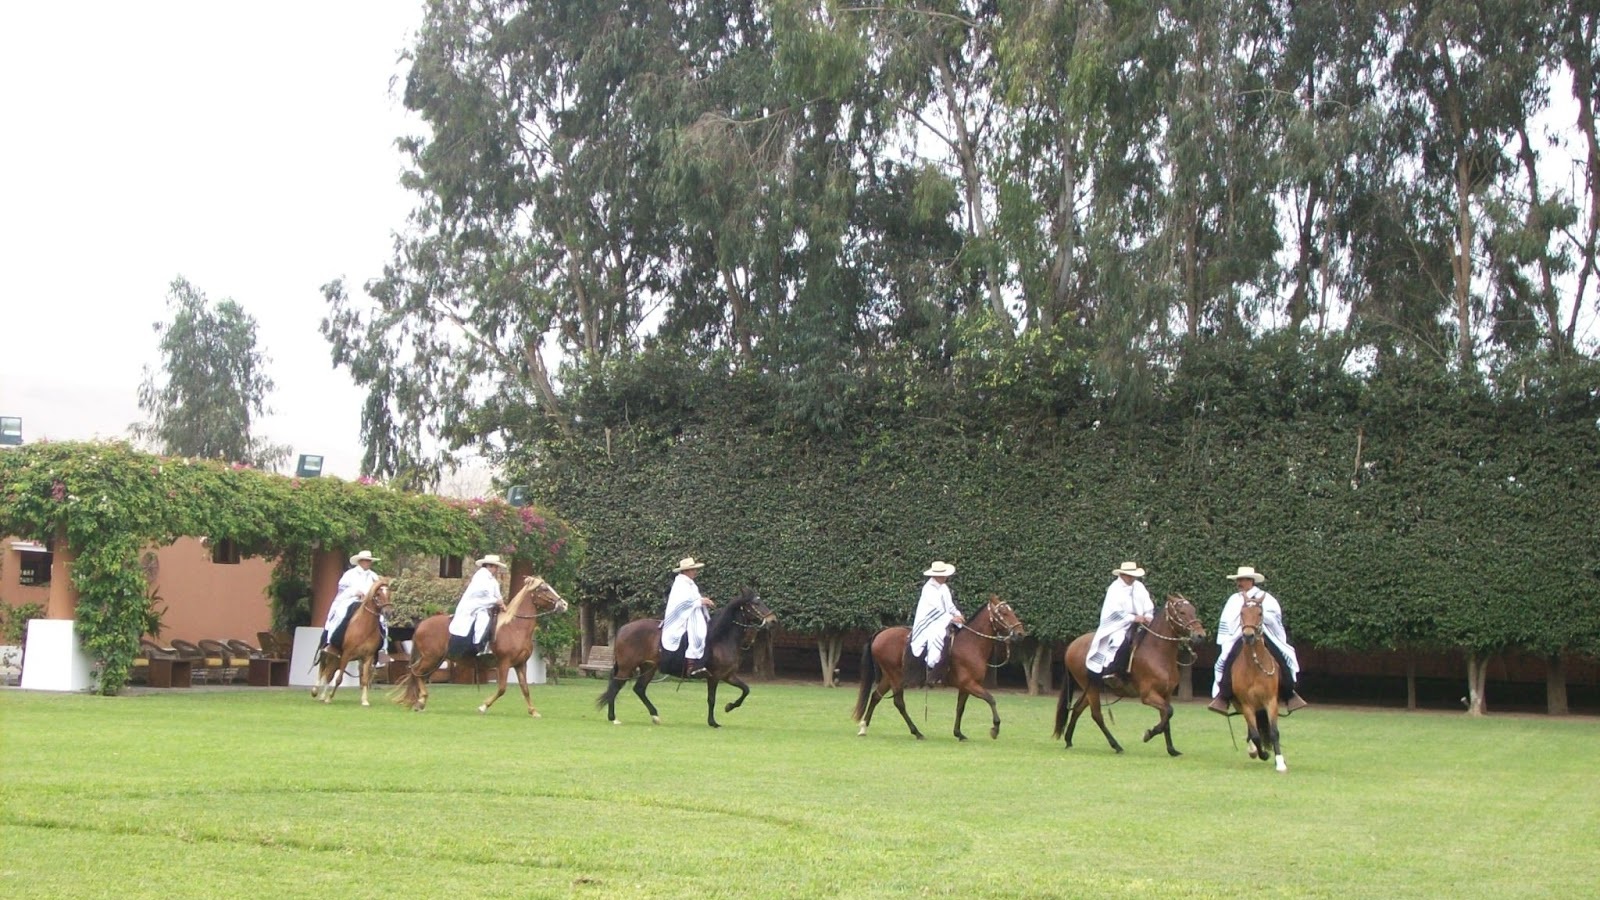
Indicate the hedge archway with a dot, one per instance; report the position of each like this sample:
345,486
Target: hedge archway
110,502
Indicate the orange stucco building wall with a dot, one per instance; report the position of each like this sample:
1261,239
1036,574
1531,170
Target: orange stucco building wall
203,598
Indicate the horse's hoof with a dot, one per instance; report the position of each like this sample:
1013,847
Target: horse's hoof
483,708
962,738
862,732
728,708
713,725
616,721
994,734
1118,749
535,714
1173,753
919,735
365,703
1149,734
1281,766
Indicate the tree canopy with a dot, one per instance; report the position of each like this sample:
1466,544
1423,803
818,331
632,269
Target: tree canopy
213,383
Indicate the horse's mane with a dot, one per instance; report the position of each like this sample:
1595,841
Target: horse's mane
981,607
722,620
373,591
522,595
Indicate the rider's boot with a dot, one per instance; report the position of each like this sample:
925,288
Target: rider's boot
1219,705
694,667
1295,702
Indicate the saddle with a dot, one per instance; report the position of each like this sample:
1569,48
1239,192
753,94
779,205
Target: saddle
1115,674
336,638
914,669
676,662
1286,682
463,645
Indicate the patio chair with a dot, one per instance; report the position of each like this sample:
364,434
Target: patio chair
226,660
201,664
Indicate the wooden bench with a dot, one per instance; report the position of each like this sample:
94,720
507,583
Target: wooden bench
600,661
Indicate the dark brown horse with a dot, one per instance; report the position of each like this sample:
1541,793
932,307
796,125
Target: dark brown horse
1254,677
637,650
363,638
1153,672
883,659
511,645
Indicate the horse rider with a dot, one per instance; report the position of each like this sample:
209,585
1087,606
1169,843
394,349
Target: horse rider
931,626
1127,606
687,615
1272,623
471,618
354,585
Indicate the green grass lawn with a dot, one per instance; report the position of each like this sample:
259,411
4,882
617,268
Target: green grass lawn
263,793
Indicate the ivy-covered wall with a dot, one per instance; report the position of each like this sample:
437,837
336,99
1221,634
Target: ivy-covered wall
1392,512
112,502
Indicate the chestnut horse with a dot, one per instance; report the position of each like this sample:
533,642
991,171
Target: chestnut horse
1154,672
1254,676
638,655
511,645
363,638
883,660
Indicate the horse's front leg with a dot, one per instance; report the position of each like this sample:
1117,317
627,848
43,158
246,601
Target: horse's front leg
711,700
744,691
1163,727
1272,734
1252,731
500,681
900,704
639,685
522,682
366,679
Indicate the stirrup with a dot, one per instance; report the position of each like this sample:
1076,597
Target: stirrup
1220,706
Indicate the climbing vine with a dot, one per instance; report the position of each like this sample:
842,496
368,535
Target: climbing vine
109,502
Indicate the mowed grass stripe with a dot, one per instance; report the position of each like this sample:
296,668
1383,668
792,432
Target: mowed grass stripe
187,794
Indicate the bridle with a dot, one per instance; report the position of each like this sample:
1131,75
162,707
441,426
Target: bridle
1190,629
1252,638
750,627
377,608
557,606
995,619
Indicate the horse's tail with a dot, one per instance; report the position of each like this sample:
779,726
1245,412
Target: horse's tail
408,690
1062,705
869,677
610,693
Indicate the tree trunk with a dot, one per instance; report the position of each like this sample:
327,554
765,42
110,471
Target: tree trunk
1186,682
1477,674
830,646
1555,686
1411,683
1039,672
585,629
761,663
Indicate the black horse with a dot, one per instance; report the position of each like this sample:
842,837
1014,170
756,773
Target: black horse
638,654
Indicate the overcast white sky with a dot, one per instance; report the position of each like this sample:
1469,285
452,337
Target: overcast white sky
247,147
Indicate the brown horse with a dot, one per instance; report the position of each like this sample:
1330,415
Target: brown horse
1153,672
638,655
511,645
883,659
363,638
1254,676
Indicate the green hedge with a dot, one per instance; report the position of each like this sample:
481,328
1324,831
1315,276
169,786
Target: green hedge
1468,522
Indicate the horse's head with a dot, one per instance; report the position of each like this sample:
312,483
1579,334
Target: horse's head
1250,616
1003,620
751,612
379,599
1182,615
543,595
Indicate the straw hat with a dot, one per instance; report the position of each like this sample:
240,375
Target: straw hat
365,554
1247,572
1129,568
492,559
687,563
940,569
